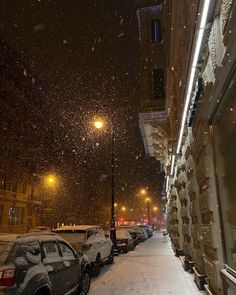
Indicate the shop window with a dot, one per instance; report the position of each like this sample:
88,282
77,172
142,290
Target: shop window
16,216
156,31
158,84
224,139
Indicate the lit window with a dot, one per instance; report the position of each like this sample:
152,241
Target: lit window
16,216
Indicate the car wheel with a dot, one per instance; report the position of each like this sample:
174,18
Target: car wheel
85,285
110,260
97,266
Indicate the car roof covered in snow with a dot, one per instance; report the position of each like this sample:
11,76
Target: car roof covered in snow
40,236
75,227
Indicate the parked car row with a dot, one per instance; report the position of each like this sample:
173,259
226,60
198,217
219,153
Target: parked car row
128,237
62,261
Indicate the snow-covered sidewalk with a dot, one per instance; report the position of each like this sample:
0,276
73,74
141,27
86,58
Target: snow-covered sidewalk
151,269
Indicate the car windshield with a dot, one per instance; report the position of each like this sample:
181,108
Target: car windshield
73,236
5,248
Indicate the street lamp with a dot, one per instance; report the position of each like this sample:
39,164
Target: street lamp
100,123
143,191
50,183
148,209
123,208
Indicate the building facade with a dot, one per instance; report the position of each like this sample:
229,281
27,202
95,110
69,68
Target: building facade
22,136
200,168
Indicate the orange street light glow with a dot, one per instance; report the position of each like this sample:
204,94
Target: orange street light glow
99,124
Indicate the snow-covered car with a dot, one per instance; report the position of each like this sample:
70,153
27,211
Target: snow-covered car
148,229
41,264
144,233
124,241
91,240
134,232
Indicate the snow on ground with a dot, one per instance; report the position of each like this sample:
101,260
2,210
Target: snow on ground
151,269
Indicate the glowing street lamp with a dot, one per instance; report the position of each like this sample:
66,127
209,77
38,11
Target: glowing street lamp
123,208
143,192
148,208
50,181
100,123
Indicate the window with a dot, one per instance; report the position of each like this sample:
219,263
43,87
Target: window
1,213
14,185
3,183
51,252
224,140
66,251
156,31
16,216
158,83
31,251
24,187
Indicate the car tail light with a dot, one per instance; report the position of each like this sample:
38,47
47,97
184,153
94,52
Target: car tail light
86,247
7,277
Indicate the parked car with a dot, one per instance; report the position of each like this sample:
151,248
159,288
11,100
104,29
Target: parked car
91,240
124,241
134,232
148,229
144,233
41,264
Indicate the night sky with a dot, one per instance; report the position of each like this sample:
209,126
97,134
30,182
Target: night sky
85,53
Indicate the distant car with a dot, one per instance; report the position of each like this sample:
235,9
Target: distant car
91,240
41,264
134,232
124,241
148,229
39,229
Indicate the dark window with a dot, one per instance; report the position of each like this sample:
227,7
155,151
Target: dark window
158,82
1,213
3,183
24,187
156,31
14,185
16,216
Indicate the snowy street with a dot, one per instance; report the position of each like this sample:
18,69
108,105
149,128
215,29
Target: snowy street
150,269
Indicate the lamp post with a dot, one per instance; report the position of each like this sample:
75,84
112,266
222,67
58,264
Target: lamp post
148,209
50,183
100,123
